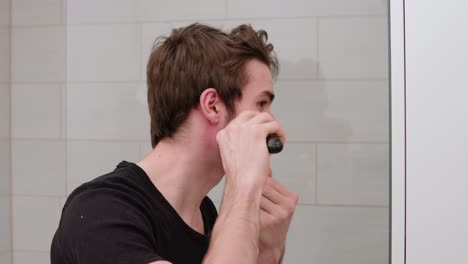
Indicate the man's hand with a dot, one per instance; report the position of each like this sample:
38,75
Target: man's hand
276,210
243,148
246,163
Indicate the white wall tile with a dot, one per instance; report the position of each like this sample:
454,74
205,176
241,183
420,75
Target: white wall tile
35,222
38,54
145,149
36,12
103,52
5,223
36,257
5,257
39,167
107,111
5,167
5,12
338,235
89,160
297,53
352,48
292,8
4,54
4,111
295,168
157,10
36,111
353,174
333,110
150,32
98,11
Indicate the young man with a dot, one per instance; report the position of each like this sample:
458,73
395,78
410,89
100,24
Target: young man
209,96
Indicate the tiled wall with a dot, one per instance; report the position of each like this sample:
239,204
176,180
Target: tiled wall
38,153
79,107
5,140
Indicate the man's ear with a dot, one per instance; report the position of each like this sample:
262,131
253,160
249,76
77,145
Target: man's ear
212,106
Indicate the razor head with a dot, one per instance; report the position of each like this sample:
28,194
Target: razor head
274,144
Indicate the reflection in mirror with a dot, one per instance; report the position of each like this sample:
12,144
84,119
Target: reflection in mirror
79,107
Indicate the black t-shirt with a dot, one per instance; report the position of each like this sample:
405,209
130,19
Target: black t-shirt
121,217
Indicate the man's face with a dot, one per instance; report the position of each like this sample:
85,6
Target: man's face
257,93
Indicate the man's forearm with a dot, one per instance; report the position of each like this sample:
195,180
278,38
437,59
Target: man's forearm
235,234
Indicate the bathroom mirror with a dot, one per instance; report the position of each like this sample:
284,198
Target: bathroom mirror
78,101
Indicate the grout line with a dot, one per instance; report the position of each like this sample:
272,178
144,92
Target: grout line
333,79
344,205
134,140
10,154
61,117
39,139
226,19
26,195
29,251
140,81
317,62
316,174
32,26
64,13
336,142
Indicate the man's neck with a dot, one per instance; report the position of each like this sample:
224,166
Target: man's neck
183,175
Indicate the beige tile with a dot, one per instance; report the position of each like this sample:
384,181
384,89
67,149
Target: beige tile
353,174
38,54
37,257
24,257
295,168
103,52
5,13
5,224
4,111
39,167
280,8
88,160
5,257
5,167
36,111
353,48
333,110
35,222
36,12
149,33
158,10
4,54
98,11
107,111
338,235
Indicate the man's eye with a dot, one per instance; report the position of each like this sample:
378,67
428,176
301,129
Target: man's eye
262,104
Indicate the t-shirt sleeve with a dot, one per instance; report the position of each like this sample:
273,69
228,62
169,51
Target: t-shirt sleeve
104,227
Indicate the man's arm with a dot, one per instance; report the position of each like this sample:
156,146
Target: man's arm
246,164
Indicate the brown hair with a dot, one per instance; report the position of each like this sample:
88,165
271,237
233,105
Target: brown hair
193,59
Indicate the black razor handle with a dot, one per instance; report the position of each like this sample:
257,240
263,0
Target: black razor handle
274,144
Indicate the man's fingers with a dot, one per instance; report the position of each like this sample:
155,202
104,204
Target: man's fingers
269,206
245,116
272,194
279,187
